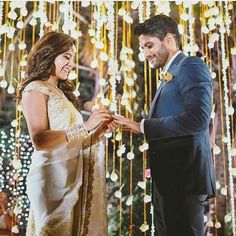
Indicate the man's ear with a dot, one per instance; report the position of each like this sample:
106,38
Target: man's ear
169,39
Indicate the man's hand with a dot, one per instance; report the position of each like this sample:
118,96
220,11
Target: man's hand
127,124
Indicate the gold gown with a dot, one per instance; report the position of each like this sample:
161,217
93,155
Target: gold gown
66,185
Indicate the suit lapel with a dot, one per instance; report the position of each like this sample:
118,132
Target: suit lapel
155,98
171,70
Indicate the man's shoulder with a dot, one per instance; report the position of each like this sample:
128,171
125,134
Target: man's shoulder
192,60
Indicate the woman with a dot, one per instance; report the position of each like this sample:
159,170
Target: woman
66,177
6,216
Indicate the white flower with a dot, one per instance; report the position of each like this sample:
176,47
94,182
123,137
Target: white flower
85,3
16,211
105,102
233,51
142,184
114,176
141,56
233,152
107,174
121,12
33,22
224,191
143,147
184,16
72,75
118,136
23,11
3,84
134,4
15,229
118,194
129,201
20,24
23,63
217,185
2,71
210,223
234,172
216,150
204,29
147,198
76,34
213,75
224,139
213,114
230,111
94,64
128,19
99,45
102,82
144,227
14,123
11,47
130,81
11,89
217,225
130,155
16,164
228,218
103,56
91,32
121,150
76,93
108,134
12,15
22,46
19,107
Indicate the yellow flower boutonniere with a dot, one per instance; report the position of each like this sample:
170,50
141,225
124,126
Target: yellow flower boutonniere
166,77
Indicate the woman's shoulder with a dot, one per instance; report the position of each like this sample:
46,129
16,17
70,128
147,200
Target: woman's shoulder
38,86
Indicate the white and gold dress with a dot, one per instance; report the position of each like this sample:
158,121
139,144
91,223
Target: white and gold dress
66,185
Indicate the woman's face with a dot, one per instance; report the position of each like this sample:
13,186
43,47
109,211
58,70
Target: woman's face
64,63
3,197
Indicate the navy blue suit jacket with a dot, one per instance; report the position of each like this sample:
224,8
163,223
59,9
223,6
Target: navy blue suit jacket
178,130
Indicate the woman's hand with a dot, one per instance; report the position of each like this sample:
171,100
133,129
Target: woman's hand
106,126
97,117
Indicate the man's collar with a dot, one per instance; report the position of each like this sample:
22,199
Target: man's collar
165,69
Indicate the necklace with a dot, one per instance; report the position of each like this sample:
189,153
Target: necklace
55,87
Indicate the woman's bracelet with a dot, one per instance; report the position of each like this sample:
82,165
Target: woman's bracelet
73,134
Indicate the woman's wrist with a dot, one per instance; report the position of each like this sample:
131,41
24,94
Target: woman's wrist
75,133
87,126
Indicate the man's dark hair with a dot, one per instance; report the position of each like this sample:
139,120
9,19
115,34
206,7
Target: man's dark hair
158,26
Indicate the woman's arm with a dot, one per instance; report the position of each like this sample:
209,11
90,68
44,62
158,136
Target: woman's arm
35,111
34,105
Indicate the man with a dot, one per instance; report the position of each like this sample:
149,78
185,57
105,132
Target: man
177,131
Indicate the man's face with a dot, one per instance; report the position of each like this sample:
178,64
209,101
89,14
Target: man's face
155,51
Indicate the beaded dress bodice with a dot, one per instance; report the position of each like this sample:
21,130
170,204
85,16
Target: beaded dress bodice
61,112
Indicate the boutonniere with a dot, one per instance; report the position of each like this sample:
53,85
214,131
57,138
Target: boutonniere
166,77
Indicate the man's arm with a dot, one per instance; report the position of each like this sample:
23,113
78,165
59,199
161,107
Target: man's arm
195,88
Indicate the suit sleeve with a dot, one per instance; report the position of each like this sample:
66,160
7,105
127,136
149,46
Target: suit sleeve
195,87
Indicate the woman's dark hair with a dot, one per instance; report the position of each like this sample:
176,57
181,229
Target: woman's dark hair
41,62
159,26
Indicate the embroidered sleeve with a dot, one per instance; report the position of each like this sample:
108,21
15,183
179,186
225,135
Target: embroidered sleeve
33,86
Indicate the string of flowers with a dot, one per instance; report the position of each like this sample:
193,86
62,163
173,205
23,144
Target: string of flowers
225,64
